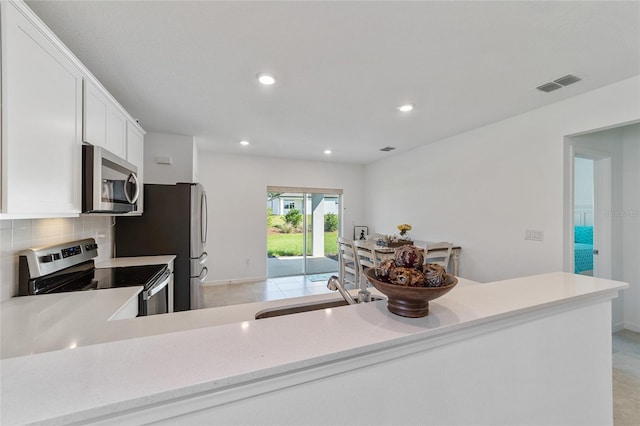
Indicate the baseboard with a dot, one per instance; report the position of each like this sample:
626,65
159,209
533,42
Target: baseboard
632,327
617,327
235,281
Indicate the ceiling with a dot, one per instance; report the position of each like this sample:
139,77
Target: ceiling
342,68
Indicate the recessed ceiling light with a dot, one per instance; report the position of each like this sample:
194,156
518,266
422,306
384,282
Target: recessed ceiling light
244,143
405,108
327,151
266,79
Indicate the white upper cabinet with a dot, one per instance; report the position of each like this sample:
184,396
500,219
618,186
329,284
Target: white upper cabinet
41,121
51,103
104,124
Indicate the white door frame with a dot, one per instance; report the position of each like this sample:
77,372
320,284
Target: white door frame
601,209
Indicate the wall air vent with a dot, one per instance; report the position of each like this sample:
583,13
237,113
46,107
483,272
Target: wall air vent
567,80
549,87
387,148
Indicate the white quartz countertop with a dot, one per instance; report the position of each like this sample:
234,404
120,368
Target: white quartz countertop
49,322
72,385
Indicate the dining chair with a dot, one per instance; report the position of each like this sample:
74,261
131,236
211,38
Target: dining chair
438,253
350,269
366,254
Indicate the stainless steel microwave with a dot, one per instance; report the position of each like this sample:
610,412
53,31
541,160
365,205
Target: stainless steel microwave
109,183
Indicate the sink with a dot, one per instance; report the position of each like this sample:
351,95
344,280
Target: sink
305,307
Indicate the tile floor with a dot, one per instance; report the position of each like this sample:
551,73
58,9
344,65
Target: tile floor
626,378
270,289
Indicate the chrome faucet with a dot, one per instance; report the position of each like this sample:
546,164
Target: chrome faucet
334,284
363,295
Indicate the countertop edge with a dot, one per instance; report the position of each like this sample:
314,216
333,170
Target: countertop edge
285,374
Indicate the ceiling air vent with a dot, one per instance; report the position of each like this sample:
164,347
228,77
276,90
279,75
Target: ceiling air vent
387,148
558,83
567,80
549,87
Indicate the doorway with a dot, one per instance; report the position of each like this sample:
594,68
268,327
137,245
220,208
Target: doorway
302,232
613,156
591,193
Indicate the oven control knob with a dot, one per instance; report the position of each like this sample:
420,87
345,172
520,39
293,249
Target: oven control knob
91,247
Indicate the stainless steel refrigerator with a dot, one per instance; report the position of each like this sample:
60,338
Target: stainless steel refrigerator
174,221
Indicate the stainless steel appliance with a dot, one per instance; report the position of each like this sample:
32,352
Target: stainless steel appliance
109,183
70,267
174,222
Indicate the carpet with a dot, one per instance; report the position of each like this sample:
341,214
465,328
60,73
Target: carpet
320,277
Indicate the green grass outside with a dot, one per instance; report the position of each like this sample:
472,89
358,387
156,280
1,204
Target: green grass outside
291,244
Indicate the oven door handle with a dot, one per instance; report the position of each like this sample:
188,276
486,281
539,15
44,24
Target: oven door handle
158,286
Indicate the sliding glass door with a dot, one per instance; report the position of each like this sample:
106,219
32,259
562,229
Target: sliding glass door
302,229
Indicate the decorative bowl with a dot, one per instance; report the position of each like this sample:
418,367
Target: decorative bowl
411,302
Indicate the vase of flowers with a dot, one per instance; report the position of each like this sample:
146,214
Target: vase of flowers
404,228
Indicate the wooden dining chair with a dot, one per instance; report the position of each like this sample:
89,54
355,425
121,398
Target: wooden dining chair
438,253
349,271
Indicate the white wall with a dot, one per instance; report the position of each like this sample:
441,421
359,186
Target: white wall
630,218
17,235
484,188
237,192
184,156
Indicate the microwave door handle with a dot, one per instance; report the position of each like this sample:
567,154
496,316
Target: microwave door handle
133,199
137,193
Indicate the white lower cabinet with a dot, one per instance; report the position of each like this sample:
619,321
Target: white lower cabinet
41,122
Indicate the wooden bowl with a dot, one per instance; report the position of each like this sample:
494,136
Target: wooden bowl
411,302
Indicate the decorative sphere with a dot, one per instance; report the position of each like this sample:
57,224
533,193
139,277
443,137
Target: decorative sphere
434,274
409,257
408,277
385,267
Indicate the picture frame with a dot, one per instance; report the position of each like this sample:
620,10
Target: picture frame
360,232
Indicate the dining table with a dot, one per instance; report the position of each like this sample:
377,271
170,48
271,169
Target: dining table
384,252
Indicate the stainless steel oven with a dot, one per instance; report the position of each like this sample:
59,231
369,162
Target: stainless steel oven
70,267
109,183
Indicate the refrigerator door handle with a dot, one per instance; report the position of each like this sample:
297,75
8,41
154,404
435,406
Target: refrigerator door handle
203,274
203,218
203,258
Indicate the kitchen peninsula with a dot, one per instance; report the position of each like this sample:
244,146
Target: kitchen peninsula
487,353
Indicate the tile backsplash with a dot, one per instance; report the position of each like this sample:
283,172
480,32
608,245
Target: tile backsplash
19,234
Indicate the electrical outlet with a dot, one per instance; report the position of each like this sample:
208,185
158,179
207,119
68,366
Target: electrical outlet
533,235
